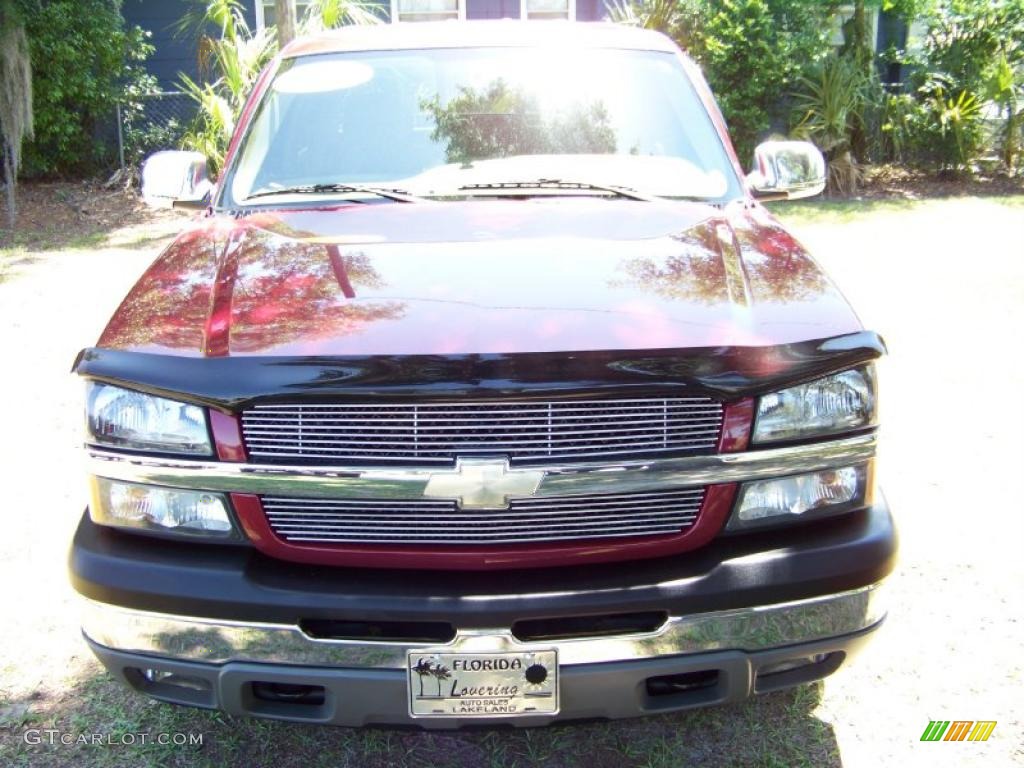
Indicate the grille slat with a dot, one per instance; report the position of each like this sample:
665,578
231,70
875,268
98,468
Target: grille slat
708,421
458,445
308,457
393,519
531,519
592,509
437,433
497,539
514,406
459,423
490,526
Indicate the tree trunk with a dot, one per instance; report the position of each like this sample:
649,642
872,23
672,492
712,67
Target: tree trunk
864,57
285,12
861,46
9,181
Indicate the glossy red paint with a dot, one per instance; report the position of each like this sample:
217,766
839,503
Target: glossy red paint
737,423
717,505
227,436
476,276
486,277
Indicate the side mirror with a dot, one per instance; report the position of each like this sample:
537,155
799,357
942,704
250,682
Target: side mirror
787,170
175,179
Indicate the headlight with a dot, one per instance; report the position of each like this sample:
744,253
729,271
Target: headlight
126,419
836,403
160,510
815,494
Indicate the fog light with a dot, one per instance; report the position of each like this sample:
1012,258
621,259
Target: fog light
815,494
160,510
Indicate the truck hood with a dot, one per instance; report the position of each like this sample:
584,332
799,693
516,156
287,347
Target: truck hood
479,277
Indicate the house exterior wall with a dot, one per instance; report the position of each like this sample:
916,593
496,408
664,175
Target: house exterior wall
586,10
176,52
492,9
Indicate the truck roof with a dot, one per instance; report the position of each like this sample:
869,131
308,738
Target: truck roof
478,34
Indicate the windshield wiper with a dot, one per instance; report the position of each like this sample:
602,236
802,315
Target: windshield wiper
325,189
560,184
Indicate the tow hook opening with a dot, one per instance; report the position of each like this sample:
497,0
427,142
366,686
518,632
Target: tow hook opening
797,670
171,686
290,693
684,689
668,685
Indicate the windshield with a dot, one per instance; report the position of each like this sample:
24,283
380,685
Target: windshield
459,122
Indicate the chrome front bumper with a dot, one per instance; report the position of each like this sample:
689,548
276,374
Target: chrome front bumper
217,642
692,661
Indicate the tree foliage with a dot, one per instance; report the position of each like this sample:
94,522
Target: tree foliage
231,56
832,107
83,58
330,14
753,53
499,121
971,62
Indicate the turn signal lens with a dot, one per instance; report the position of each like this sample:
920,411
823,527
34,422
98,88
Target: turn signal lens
157,509
815,494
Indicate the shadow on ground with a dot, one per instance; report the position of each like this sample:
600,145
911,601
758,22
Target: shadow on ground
777,729
62,216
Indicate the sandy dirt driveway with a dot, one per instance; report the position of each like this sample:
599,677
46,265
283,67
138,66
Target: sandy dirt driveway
942,280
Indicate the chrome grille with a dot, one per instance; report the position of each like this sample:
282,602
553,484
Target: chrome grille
437,433
554,518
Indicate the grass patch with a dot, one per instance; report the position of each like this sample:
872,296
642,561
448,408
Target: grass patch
846,211
775,729
838,211
11,259
1010,201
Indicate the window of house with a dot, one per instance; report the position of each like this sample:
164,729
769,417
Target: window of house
916,36
548,9
427,10
266,13
844,14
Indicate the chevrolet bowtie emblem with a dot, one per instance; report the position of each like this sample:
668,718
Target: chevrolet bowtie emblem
483,483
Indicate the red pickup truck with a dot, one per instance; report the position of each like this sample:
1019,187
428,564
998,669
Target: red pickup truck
485,390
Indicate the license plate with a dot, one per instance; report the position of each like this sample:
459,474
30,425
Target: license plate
483,684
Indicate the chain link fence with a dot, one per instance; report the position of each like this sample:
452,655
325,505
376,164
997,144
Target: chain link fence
157,121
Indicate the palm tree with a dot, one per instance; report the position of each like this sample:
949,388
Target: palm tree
423,669
15,99
662,15
328,14
441,672
232,55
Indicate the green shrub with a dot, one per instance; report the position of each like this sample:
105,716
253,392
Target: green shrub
832,108
965,38
83,59
969,72
232,60
753,53
1005,87
666,16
